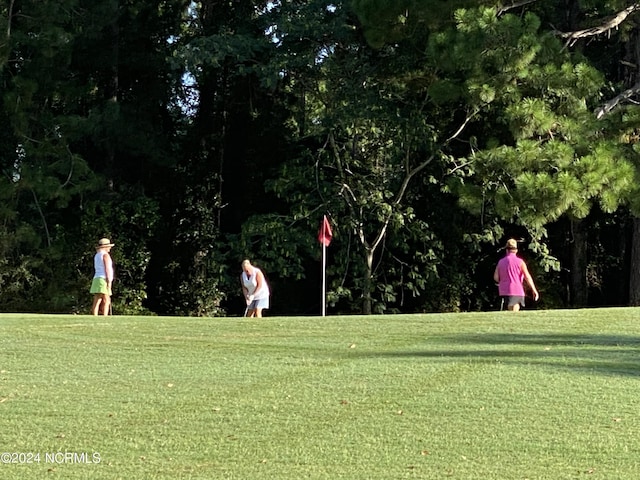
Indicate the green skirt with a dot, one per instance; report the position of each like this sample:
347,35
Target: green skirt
99,285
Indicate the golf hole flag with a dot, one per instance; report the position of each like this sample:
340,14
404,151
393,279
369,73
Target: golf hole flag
325,235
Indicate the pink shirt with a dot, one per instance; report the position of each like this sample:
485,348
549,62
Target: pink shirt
511,276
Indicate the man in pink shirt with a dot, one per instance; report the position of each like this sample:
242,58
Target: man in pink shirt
510,274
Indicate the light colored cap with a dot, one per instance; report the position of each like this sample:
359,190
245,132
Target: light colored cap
105,242
511,244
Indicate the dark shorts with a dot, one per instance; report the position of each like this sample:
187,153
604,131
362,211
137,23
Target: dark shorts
511,300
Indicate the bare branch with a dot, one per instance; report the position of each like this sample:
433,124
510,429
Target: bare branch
614,102
42,217
398,199
412,173
520,3
9,18
70,168
322,149
345,187
462,127
609,24
461,166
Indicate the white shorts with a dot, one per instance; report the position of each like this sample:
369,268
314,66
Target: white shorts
260,303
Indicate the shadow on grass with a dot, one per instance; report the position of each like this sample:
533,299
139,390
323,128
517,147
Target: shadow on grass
602,354
553,339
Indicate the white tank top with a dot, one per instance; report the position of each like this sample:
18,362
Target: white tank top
98,264
251,283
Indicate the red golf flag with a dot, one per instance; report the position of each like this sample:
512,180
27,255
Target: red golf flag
325,235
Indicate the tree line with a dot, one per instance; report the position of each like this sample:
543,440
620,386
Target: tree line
197,134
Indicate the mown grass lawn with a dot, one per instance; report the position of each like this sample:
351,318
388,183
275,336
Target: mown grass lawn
536,395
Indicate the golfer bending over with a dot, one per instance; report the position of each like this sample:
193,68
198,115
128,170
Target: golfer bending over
255,289
510,274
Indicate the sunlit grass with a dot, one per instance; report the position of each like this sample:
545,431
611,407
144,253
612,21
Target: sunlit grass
535,395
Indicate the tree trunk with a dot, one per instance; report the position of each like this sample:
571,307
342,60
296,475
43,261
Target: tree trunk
366,288
634,264
631,77
112,93
578,288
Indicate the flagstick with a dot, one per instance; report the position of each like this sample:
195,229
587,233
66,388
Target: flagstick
325,238
324,278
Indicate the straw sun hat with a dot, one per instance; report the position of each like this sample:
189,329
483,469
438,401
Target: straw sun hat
104,242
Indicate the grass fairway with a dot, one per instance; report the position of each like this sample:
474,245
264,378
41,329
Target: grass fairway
536,395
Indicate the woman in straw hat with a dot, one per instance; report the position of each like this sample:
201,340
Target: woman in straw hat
102,278
510,274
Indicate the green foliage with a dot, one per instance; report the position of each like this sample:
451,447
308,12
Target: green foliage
390,21
281,247
198,134
77,111
189,280
17,278
555,160
136,218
